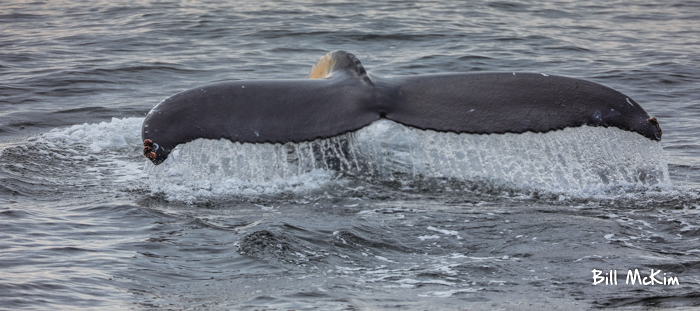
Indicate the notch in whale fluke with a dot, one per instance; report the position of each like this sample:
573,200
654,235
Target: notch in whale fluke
339,97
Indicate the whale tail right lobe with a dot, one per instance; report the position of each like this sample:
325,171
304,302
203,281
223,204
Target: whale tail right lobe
489,103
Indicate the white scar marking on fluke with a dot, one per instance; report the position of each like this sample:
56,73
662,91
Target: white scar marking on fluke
156,147
257,134
544,74
242,86
629,102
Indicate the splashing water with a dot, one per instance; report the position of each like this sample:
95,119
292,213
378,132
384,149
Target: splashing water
577,161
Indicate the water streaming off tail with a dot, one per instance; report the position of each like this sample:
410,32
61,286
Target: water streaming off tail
205,168
574,160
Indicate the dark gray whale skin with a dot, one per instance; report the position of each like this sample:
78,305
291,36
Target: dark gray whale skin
346,99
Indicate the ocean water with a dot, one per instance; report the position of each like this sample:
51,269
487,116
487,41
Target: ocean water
388,217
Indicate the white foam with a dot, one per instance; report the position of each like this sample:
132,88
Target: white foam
449,293
104,137
106,151
443,231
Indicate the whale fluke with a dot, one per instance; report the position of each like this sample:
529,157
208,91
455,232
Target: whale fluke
339,97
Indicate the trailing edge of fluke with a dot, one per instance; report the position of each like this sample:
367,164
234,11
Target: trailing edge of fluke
339,97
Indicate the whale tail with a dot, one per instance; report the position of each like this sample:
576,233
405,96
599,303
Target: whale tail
339,97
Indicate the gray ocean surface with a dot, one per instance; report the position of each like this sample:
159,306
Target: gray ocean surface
432,221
